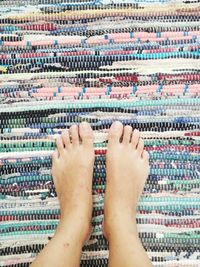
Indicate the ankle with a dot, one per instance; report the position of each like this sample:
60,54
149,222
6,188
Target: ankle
79,227
78,216
116,224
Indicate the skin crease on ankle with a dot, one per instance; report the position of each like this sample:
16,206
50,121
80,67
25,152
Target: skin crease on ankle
127,169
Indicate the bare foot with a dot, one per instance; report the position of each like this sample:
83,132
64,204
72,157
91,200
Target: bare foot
72,171
127,165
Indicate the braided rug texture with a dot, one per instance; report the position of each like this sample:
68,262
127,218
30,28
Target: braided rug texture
63,62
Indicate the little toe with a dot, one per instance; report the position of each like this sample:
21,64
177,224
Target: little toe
145,155
55,162
115,132
59,144
74,134
65,138
127,134
86,134
135,138
140,146
55,156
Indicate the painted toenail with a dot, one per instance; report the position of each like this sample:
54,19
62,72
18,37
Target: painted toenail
116,125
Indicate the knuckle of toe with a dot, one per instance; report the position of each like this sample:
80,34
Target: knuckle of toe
65,133
113,134
73,127
87,135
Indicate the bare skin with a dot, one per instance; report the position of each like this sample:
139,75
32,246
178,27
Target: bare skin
127,166
72,171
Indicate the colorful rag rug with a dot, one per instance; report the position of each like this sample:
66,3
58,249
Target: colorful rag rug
63,62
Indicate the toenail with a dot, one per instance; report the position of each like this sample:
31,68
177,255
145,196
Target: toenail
85,125
73,127
128,127
116,125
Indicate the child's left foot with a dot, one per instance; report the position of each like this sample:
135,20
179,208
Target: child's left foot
72,171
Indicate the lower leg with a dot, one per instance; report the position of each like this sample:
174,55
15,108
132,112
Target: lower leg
127,169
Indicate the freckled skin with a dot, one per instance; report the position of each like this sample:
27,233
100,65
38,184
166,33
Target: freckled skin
66,245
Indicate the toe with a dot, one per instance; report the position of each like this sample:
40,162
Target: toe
59,144
74,134
86,134
115,132
65,138
140,146
145,155
55,162
55,156
135,138
127,134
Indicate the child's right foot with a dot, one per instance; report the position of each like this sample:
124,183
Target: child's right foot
127,165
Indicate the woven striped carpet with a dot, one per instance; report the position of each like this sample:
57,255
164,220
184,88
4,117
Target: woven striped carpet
63,62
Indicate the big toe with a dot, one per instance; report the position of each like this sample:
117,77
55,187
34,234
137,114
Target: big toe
86,134
115,132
